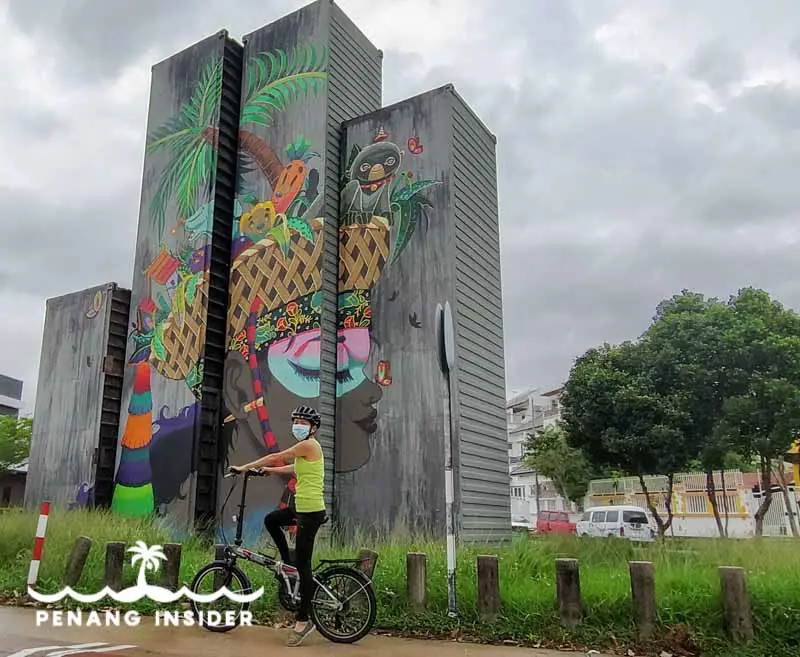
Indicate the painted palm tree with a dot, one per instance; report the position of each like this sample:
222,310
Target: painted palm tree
274,80
149,557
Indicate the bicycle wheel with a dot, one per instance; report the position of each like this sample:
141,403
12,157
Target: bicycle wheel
219,574
343,606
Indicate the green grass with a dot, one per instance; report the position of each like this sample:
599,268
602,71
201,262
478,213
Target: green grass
687,584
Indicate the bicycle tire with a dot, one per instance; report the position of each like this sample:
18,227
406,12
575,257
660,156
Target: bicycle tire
237,573
361,578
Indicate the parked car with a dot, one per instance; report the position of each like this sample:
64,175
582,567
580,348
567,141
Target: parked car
554,522
630,522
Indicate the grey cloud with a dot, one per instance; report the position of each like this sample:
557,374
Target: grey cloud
717,64
94,39
49,249
586,144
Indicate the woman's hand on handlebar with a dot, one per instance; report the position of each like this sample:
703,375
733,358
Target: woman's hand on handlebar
253,472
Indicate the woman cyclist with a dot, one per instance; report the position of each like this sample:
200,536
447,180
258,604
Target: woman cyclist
307,506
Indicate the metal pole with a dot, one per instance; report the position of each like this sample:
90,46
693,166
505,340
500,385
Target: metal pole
448,497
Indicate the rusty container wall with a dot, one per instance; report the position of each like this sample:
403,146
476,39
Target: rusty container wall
416,177
76,409
168,457
305,74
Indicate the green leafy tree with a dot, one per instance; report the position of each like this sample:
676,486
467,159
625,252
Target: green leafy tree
15,440
762,415
686,355
548,453
615,414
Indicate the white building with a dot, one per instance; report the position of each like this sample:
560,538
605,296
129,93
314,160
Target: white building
527,412
10,396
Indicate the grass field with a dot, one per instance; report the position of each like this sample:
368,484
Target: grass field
686,581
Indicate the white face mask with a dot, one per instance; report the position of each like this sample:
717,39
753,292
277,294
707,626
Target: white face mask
300,431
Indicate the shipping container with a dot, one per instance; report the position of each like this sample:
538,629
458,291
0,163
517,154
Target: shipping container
169,430
305,74
76,417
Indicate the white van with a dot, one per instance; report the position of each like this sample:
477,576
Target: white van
629,522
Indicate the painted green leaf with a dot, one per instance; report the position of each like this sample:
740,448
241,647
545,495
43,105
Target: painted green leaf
302,227
163,304
411,211
276,79
408,191
158,342
191,289
187,137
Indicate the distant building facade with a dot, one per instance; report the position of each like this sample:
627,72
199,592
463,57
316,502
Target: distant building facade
10,396
527,412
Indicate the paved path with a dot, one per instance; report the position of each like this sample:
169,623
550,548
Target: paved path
19,637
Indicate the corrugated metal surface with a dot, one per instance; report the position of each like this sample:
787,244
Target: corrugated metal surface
186,87
208,457
72,406
354,88
484,505
113,368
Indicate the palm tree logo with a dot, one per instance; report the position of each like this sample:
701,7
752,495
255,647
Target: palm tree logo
150,558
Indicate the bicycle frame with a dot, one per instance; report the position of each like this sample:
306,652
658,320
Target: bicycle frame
289,574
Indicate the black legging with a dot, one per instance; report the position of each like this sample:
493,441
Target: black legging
308,525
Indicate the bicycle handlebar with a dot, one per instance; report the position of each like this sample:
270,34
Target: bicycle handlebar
252,472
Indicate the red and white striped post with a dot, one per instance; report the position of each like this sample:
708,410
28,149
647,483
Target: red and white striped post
38,545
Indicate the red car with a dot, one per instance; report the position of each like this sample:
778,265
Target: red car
554,522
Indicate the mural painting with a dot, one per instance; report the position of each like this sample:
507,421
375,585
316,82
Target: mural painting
381,206
275,300
168,333
274,362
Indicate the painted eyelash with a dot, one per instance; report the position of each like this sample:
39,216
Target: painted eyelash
305,373
313,375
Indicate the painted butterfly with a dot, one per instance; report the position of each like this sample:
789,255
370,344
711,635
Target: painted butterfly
415,146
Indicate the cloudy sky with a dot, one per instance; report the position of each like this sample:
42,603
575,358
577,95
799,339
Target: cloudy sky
643,147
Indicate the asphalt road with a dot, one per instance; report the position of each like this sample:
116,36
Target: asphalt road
20,637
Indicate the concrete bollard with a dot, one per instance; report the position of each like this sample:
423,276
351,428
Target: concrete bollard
568,592
417,580
367,562
77,560
171,569
736,604
115,561
643,594
488,587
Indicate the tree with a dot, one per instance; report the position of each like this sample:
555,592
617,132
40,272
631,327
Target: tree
548,453
762,353
613,412
15,441
686,354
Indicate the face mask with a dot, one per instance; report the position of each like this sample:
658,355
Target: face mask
300,431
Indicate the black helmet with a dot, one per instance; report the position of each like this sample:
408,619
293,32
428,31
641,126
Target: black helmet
307,413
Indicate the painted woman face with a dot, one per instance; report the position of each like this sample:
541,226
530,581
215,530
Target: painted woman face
295,361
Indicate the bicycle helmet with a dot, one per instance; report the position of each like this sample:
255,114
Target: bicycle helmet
307,413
